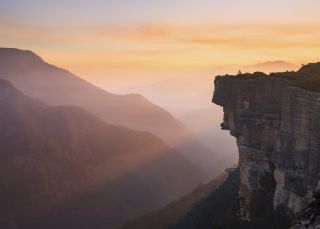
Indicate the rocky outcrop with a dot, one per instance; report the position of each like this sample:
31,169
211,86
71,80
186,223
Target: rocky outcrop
277,126
310,216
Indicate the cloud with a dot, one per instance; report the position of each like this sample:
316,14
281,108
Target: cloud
256,36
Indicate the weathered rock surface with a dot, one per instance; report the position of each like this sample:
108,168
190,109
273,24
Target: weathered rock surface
310,216
277,126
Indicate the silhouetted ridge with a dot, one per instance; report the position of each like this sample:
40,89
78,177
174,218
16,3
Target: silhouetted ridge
55,86
312,68
5,84
22,58
307,77
7,89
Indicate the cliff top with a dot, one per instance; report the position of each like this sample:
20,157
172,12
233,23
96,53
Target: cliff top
307,77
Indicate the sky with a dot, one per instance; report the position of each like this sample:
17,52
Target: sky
142,40
167,50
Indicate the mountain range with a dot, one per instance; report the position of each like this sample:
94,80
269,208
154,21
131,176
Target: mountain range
56,86
61,167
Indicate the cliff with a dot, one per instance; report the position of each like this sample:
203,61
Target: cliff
276,122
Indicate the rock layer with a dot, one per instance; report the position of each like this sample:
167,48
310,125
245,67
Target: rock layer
277,127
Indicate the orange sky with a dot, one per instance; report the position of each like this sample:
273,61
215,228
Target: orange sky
105,40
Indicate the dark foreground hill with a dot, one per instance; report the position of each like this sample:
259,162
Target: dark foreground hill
171,214
215,205
61,167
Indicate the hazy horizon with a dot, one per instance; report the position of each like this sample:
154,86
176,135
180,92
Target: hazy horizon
133,43
139,46
81,148
167,51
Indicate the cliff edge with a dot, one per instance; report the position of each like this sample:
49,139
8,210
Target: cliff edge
276,121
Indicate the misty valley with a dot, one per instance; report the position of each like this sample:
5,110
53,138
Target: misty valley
139,114
76,156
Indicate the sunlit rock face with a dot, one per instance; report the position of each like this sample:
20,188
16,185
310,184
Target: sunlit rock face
277,128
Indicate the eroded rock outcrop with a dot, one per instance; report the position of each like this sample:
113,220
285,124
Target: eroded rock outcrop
277,125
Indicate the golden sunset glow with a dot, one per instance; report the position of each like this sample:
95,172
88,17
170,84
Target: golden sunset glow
172,44
166,46
158,114
165,38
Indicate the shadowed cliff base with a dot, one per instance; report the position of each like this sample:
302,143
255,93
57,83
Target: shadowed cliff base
218,208
170,215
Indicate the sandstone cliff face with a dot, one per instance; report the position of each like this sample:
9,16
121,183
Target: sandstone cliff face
277,128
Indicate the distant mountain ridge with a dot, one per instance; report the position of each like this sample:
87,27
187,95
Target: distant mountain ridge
270,66
61,167
56,86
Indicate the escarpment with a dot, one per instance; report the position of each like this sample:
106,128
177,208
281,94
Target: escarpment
276,121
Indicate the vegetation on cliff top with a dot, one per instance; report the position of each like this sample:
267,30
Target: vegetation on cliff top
308,77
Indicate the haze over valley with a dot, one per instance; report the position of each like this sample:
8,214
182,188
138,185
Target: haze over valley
172,114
